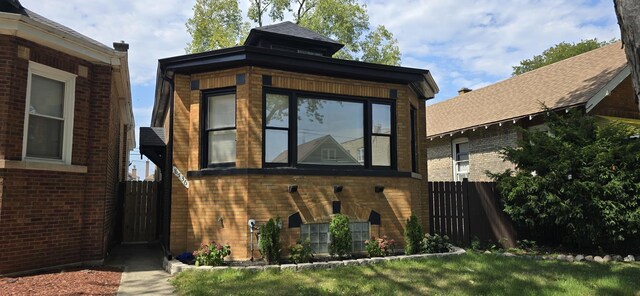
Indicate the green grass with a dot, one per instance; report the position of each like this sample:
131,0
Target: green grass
470,274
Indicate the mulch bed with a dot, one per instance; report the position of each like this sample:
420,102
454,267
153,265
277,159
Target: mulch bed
75,281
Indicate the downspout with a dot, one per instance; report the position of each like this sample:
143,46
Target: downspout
169,159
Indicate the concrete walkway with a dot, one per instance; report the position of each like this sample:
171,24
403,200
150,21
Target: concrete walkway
143,273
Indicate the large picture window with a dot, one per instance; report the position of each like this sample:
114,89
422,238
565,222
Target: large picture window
49,114
220,128
316,130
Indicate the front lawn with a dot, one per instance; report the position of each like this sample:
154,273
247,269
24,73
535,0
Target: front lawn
470,274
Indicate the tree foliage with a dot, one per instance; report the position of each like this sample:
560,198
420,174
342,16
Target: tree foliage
218,23
341,240
269,243
413,236
579,181
215,24
627,12
556,53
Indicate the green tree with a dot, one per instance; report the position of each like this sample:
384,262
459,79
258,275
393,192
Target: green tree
341,240
579,181
215,24
345,21
556,53
413,236
269,243
629,22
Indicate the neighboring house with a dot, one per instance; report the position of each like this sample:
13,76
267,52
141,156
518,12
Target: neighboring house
466,133
66,129
266,130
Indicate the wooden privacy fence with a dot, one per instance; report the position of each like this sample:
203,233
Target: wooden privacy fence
140,211
468,210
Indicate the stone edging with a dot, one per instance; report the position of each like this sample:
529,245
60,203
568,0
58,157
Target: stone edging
174,266
571,258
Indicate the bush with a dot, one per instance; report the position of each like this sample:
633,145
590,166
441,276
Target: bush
577,185
301,252
341,241
435,243
380,247
269,243
211,254
413,236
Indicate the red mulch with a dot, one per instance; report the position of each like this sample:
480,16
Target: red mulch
77,281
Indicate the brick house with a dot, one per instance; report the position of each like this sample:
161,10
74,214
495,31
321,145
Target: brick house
465,133
66,128
272,128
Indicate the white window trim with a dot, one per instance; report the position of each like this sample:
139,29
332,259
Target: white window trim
69,80
454,152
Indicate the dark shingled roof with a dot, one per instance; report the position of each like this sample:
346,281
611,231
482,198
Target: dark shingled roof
291,29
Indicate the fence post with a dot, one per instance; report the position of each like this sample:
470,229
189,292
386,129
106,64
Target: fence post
467,211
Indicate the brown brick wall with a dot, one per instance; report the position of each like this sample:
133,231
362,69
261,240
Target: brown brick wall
619,103
218,207
484,147
51,218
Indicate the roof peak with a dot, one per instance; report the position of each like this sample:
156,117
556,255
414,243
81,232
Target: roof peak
292,37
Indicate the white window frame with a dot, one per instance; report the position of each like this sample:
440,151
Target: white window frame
69,80
329,154
360,153
454,152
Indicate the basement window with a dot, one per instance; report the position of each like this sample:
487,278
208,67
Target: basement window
318,235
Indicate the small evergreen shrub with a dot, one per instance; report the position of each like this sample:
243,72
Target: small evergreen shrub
341,241
301,252
413,236
211,254
435,243
269,243
380,247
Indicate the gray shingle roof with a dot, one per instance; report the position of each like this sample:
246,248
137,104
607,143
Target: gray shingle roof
291,29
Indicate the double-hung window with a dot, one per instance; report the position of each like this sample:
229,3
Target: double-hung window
310,130
48,132
220,129
460,149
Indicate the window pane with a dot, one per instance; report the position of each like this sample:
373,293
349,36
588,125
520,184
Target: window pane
221,111
277,110
47,96
276,146
222,146
325,125
381,119
45,137
381,150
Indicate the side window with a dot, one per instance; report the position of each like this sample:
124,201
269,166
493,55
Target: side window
48,132
220,129
460,149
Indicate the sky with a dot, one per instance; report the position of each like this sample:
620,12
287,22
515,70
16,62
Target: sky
464,43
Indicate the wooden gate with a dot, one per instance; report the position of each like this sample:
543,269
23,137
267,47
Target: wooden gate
140,211
468,210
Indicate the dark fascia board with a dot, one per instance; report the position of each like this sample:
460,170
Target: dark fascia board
420,80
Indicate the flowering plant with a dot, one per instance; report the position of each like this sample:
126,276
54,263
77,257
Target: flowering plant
380,247
211,254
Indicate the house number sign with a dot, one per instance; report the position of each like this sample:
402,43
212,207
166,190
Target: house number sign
181,177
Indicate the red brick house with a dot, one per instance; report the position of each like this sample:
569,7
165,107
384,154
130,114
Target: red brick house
66,128
278,128
466,133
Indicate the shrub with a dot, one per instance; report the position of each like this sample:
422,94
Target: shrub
380,247
269,243
435,243
413,236
211,254
527,245
301,252
341,241
577,185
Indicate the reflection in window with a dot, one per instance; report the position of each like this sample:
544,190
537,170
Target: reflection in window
221,128
328,131
276,129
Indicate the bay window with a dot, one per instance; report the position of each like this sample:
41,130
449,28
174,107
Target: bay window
220,128
48,133
312,130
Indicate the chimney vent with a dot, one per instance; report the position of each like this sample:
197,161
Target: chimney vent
121,46
463,90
